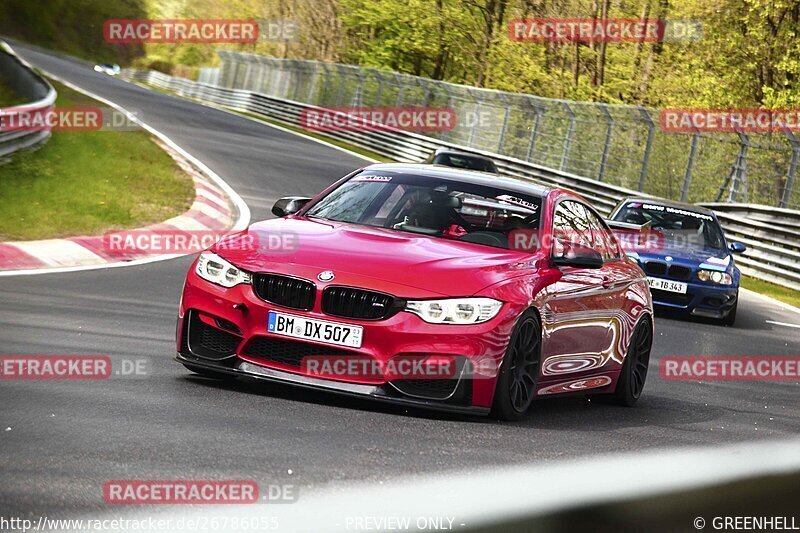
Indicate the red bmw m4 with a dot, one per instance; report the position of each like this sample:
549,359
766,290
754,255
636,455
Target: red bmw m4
428,286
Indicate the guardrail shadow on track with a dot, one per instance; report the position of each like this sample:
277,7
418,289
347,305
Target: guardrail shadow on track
771,234
39,94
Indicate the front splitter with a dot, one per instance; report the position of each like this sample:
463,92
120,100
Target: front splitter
371,392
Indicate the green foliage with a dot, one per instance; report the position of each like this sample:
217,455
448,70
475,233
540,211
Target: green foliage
87,182
749,53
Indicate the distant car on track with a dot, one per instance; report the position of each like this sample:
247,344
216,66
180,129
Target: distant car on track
455,159
507,290
111,69
692,268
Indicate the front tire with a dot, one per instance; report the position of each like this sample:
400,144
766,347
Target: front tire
519,373
634,371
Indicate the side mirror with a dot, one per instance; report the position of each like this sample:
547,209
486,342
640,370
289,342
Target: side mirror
579,257
736,247
289,205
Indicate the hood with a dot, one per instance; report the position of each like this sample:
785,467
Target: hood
398,263
692,256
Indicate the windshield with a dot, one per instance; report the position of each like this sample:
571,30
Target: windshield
678,227
431,206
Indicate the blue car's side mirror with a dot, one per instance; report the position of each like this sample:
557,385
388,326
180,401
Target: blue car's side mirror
737,247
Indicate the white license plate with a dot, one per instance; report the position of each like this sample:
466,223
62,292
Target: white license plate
315,330
667,285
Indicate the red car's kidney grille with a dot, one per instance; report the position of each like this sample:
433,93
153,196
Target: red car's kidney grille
285,291
348,302
290,353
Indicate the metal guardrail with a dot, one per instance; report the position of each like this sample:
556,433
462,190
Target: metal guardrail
39,93
772,235
622,145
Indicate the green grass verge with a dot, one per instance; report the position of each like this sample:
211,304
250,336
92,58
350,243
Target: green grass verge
87,182
777,292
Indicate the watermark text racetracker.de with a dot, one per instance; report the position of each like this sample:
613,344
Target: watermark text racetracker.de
24,118
610,30
167,241
745,120
378,118
196,491
125,31
70,367
731,368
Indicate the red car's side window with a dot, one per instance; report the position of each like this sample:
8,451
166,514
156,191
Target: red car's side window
575,224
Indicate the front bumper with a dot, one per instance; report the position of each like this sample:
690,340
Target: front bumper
242,316
700,300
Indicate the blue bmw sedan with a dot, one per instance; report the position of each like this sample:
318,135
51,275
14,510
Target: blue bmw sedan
689,264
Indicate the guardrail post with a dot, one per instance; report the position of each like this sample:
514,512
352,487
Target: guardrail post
312,82
298,73
738,173
324,96
534,133
651,129
504,126
342,82
379,90
604,156
568,140
471,139
786,198
687,176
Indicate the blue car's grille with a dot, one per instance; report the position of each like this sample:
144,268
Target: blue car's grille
659,268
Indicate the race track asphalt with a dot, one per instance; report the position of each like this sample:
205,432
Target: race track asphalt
60,441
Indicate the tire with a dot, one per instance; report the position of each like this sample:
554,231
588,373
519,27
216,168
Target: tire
516,384
730,319
633,375
210,373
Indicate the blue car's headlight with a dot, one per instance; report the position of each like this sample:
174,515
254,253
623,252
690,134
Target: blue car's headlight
215,269
715,276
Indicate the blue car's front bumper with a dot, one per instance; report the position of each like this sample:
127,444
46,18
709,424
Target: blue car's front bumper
700,299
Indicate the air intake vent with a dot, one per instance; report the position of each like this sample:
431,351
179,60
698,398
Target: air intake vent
285,291
289,353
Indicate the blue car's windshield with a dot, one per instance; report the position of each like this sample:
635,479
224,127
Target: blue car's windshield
678,226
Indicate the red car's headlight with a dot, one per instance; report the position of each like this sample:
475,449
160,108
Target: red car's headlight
215,269
455,310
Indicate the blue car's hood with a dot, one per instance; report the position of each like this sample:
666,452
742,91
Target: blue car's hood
715,259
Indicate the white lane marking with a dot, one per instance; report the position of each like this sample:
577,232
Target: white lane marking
784,324
241,222
58,252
